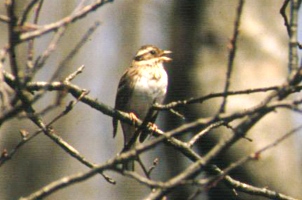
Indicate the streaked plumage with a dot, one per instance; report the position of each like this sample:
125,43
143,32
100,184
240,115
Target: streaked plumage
142,85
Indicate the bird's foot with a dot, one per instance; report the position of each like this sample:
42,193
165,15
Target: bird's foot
145,133
153,127
133,117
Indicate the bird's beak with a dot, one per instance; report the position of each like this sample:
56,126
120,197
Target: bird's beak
164,57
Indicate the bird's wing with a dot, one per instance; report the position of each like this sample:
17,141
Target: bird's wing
124,91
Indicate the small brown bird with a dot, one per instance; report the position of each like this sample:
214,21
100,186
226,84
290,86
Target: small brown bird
142,85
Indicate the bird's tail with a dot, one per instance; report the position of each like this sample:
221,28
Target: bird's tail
130,137
114,124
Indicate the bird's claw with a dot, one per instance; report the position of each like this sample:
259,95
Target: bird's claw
153,127
133,117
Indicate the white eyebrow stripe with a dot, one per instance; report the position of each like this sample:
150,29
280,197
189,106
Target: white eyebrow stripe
142,52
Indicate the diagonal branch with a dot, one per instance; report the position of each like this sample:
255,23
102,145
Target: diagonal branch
232,54
65,21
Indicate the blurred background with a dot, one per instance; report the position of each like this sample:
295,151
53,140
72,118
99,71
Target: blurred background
198,33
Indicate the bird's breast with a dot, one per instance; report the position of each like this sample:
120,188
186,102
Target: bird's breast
150,87
153,82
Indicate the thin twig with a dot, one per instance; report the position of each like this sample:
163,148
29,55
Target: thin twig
26,11
74,74
13,39
253,156
203,132
232,54
61,93
40,61
176,104
12,152
30,49
65,21
283,14
75,50
249,189
68,108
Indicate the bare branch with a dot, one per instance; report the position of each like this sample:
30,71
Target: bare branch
203,132
181,103
283,14
75,50
293,54
27,9
232,54
64,22
40,61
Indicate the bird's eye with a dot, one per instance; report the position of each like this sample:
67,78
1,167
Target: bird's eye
153,52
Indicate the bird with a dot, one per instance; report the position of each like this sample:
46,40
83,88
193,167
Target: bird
143,84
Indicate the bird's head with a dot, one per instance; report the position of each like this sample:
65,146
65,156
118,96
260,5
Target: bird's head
152,54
